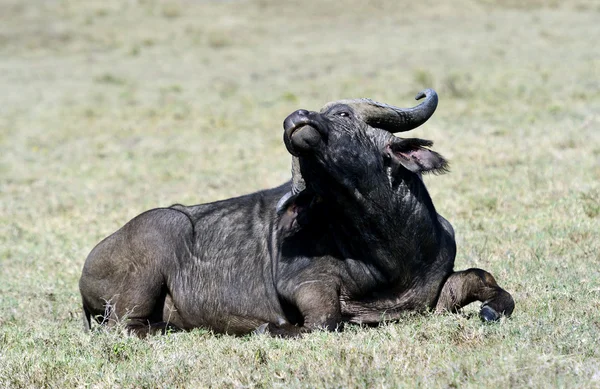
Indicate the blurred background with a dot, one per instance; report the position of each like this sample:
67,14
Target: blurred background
109,108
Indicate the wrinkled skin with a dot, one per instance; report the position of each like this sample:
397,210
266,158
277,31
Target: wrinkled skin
355,238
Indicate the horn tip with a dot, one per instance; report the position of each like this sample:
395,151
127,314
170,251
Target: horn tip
425,93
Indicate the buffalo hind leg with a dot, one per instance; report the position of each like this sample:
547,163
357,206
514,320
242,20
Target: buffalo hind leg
467,286
157,316
140,311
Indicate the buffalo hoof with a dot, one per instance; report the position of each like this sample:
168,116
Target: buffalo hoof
283,331
488,314
261,329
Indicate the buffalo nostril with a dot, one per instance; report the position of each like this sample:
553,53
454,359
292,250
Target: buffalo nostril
296,119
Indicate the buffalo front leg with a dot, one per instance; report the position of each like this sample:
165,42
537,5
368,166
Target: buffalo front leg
319,305
465,287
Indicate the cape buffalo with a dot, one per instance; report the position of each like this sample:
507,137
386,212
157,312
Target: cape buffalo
354,238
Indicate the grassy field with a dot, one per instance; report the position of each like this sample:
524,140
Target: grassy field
109,108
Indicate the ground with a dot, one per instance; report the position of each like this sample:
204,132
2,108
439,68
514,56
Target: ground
109,108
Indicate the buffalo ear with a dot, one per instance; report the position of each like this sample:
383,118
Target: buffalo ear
414,155
293,210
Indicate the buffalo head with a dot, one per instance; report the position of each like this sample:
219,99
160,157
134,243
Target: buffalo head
351,143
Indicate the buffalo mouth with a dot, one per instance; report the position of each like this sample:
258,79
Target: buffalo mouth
301,138
301,132
301,127
294,125
298,128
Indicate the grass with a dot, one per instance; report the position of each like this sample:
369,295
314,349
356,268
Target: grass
111,108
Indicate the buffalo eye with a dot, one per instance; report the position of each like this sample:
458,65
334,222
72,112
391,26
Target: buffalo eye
343,114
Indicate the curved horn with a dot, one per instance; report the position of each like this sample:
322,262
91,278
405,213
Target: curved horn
390,118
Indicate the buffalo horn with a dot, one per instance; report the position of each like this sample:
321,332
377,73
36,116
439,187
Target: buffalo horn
390,118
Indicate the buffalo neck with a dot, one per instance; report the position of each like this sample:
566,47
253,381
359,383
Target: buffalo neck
395,223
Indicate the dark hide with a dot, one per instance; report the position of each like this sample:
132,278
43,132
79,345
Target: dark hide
361,243
384,248
211,265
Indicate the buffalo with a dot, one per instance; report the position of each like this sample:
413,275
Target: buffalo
354,237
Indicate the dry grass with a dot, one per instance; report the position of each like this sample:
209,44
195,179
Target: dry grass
111,108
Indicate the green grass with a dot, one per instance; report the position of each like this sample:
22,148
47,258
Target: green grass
110,108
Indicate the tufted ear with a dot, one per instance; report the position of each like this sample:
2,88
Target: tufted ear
414,155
